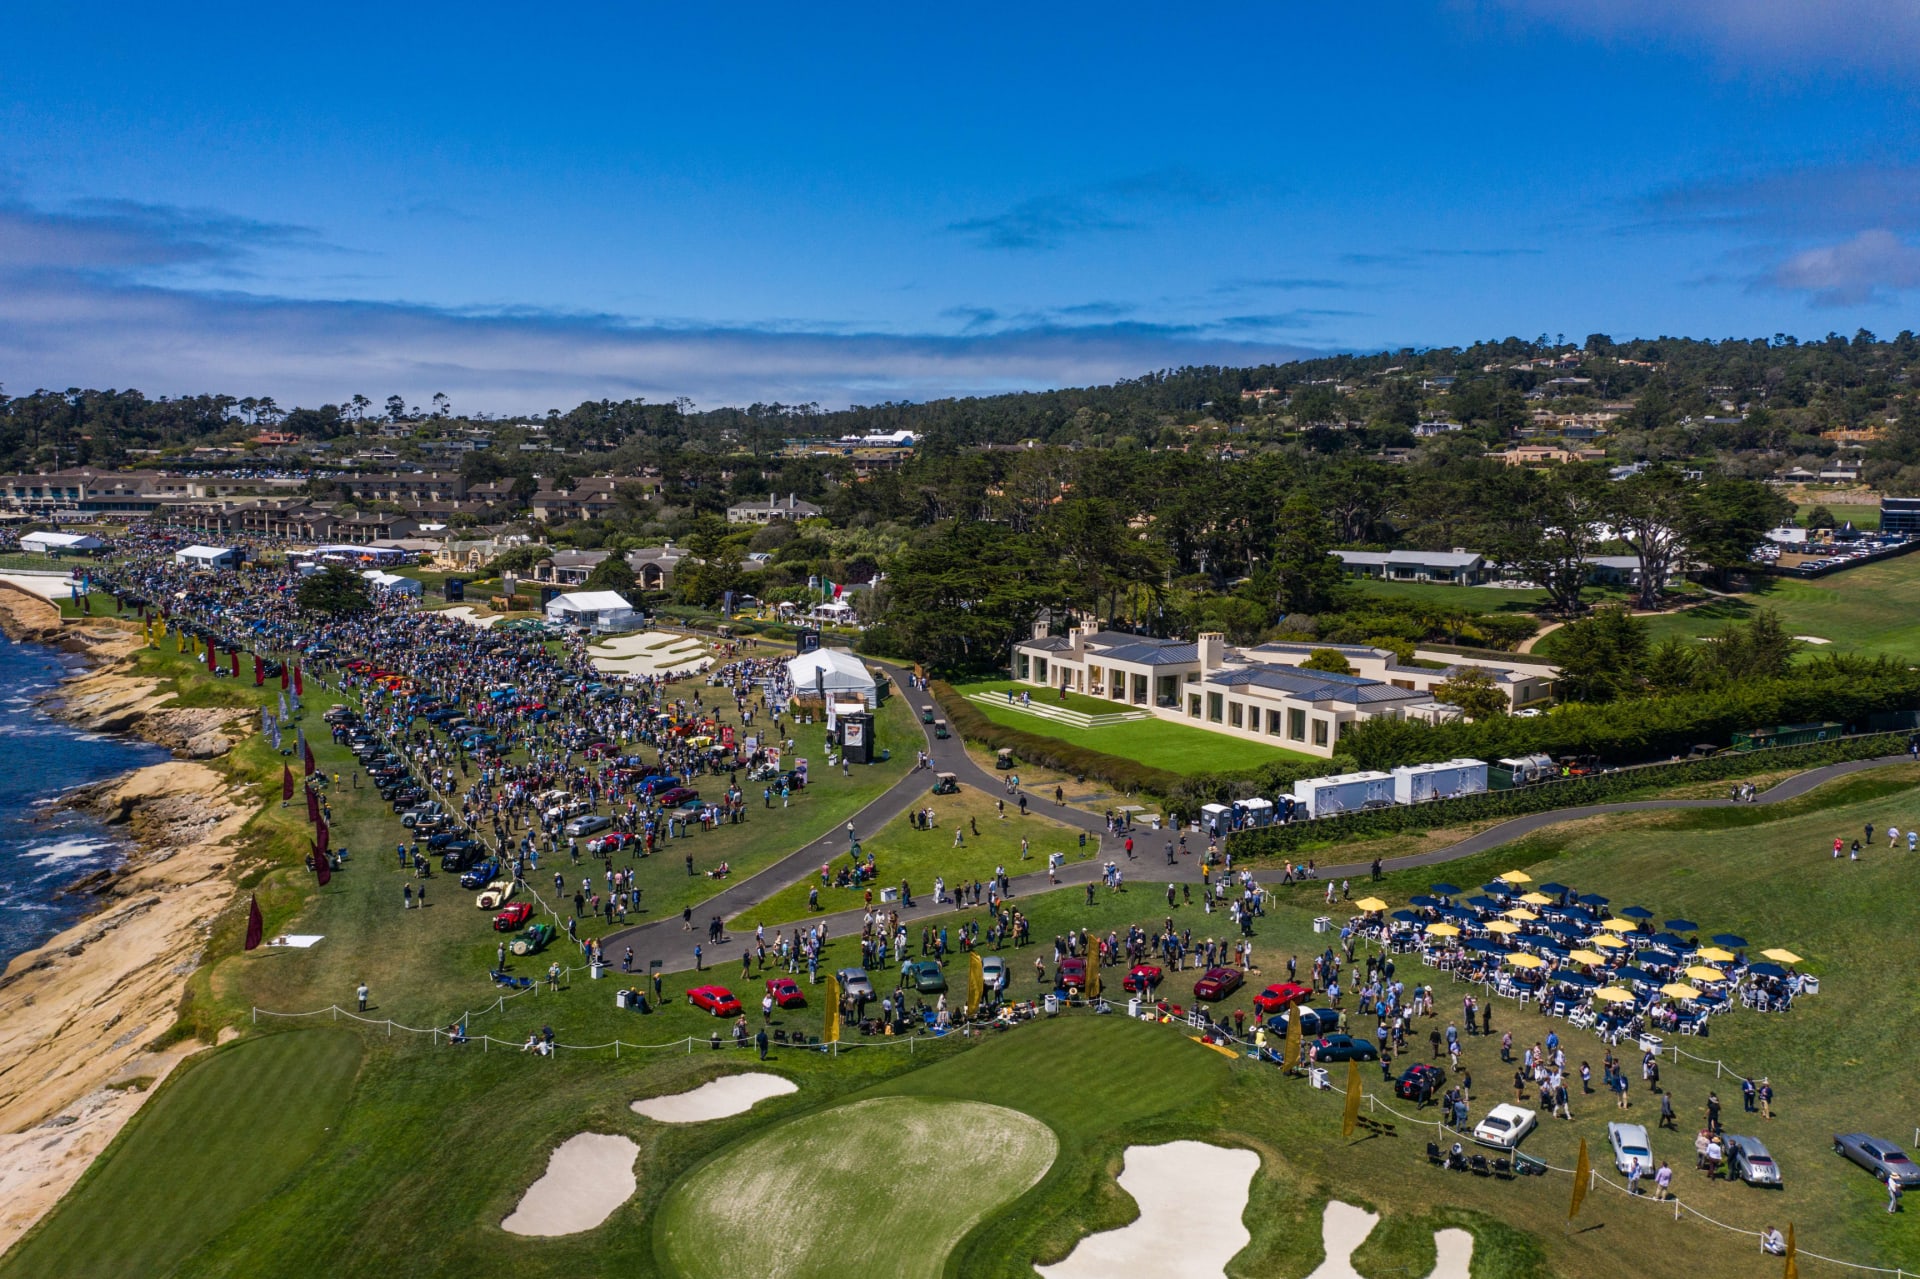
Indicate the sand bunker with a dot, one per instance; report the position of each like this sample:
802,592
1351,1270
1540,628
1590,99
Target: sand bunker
1191,1198
716,1099
1812,639
650,653
1344,1228
589,1176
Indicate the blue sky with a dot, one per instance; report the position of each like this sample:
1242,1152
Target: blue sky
523,210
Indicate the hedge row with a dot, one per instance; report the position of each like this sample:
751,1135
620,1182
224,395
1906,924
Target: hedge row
1547,796
1124,774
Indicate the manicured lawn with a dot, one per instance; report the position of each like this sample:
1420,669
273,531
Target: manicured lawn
1862,515
1441,595
1153,742
901,852
1872,609
804,1200
221,1139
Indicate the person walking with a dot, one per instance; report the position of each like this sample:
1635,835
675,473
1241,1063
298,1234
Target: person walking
361,994
1663,1181
1667,1118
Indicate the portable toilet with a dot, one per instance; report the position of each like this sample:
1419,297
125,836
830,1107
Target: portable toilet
1344,792
1216,817
1418,783
1259,811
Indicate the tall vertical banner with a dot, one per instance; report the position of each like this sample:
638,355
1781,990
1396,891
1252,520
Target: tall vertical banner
1351,1120
321,869
831,1032
976,984
1582,1174
299,688
255,924
286,783
1793,1255
1290,1055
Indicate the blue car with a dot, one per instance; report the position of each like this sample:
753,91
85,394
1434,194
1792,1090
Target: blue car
482,875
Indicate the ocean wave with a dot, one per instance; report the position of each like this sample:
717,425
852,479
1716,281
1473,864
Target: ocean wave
70,849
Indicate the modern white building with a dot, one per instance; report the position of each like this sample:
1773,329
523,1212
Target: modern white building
1466,568
1262,693
593,610
208,557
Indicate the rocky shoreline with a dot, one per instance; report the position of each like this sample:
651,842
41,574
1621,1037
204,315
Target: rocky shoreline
78,1014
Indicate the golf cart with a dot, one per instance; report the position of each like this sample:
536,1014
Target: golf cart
940,729
926,714
1003,758
946,784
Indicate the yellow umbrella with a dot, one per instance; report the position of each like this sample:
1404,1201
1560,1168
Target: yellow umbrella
1679,991
1586,957
1371,903
1503,926
1614,995
1619,925
1714,955
1526,961
1537,899
1517,877
1442,930
1700,972
1609,943
1524,916
1781,956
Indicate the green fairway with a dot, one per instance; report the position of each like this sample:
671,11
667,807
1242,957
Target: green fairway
900,852
1156,743
1872,609
219,1140
1862,515
880,1188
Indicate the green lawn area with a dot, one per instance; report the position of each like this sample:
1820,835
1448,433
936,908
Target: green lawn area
1154,742
1862,515
1043,696
1872,609
1440,595
221,1138
917,856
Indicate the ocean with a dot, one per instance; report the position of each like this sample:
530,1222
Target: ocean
44,847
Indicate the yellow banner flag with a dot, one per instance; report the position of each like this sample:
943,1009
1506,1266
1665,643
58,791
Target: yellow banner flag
1352,1118
831,1033
1290,1055
1093,978
1582,1174
1793,1255
976,983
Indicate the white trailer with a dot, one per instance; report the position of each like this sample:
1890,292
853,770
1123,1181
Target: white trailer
1418,783
1344,793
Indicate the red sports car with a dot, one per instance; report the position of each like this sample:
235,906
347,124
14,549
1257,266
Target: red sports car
717,1000
1217,983
786,992
1141,979
1071,975
1281,996
513,918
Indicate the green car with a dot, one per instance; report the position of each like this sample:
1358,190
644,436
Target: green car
924,975
532,939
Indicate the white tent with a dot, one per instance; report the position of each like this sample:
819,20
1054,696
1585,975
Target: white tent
392,582
55,543
212,557
595,610
840,673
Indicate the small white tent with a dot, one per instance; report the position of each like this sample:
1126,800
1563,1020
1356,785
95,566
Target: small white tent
208,557
392,582
841,674
595,610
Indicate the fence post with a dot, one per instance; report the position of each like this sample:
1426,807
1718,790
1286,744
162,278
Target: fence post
389,1028
256,1021
336,1011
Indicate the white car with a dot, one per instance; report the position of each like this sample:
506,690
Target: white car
993,973
1629,1142
1505,1125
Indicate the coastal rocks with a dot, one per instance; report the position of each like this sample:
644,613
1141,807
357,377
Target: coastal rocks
26,616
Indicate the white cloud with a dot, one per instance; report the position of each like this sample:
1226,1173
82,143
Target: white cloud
1864,269
1882,35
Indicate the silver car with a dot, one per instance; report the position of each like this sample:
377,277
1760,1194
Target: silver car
1881,1158
587,825
1629,1142
854,984
993,973
1749,1161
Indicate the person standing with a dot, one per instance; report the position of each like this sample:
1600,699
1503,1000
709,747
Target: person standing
1663,1181
361,994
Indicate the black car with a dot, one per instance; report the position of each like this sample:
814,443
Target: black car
459,855
1420,1083
1313,1022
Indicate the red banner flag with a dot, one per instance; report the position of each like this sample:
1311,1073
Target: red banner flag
326,836
321,870
283,677
286,783
313,806
306,750
213,660
234,655
259,672
299,689
255,925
